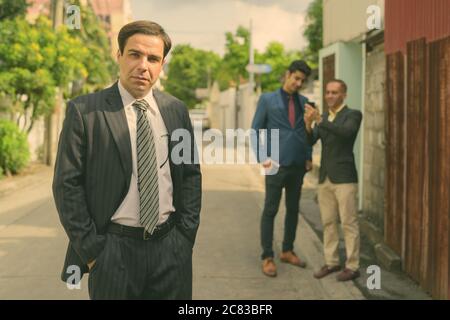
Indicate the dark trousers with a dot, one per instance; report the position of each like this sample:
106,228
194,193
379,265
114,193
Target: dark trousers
291,179
130,268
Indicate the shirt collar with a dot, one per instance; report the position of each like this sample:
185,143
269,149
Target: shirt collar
337,110
128,99
287,94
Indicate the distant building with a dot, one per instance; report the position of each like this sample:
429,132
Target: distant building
113,13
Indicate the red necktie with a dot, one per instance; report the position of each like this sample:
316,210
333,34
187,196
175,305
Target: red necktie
291,111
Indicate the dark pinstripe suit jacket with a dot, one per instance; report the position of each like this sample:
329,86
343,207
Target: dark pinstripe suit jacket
93,171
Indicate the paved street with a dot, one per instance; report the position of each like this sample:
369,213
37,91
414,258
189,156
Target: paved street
226,255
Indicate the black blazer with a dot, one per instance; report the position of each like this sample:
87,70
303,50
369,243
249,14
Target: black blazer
338,138
94,166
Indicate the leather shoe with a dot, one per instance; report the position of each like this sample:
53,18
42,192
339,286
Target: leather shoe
291,257
325,270
347,275
269,268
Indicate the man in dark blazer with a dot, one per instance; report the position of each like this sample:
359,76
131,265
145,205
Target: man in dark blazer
338,179
130,211
283,110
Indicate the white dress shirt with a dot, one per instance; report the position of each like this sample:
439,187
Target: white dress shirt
128,212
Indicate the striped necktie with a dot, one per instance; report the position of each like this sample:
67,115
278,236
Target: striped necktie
147,169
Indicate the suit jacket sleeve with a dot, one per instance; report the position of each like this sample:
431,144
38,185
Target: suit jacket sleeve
259,122
68,188
309,148
349,128
313,136
191,187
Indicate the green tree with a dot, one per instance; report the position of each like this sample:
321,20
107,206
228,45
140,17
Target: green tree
189,69
313,32
34,61
236,58
10,9
279,59
100,66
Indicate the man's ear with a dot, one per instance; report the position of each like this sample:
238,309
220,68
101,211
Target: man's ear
118,54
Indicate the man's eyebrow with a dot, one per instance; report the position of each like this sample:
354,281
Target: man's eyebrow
135,50
153,56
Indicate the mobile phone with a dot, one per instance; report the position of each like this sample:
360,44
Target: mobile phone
312,104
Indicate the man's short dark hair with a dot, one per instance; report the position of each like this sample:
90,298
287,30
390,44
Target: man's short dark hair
143,27
300,65
341,82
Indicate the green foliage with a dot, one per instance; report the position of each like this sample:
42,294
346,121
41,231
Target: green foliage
36,60
189,69
99,64
313,32
279,59
236,58
14,152
10,9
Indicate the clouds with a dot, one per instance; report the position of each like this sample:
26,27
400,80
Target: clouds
203,23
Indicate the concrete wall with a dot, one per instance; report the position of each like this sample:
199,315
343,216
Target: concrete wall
374,137
222,108
247,100
345,20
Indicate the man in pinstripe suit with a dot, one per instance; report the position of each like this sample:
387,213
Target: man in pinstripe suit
131,213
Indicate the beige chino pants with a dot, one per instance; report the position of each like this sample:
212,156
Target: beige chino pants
339,201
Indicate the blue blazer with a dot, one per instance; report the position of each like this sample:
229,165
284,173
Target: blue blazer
271,113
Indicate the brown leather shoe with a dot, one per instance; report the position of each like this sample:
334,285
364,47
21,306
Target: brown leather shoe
269,268
291,257
325,270
347,275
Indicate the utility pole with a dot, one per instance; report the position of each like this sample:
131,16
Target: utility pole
251,55
52,120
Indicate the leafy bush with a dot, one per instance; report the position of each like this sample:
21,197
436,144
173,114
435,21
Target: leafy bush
14,151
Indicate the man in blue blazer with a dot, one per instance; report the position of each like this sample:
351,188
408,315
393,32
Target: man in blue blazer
283,110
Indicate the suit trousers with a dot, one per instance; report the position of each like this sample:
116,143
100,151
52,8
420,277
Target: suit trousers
130,268
291,179
339,201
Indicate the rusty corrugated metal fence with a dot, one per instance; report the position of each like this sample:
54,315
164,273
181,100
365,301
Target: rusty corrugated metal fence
407,20
418,162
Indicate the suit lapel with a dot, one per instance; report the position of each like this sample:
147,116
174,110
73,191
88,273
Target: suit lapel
117,122
167,114
281,107
169,118
324,133
340,117
301,109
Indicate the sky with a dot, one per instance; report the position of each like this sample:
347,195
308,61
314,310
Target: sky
203,23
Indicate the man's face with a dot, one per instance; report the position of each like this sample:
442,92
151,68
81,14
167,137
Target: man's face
294,81
140,63
334,95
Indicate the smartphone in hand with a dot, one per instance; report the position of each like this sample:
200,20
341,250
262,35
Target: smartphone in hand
312,104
